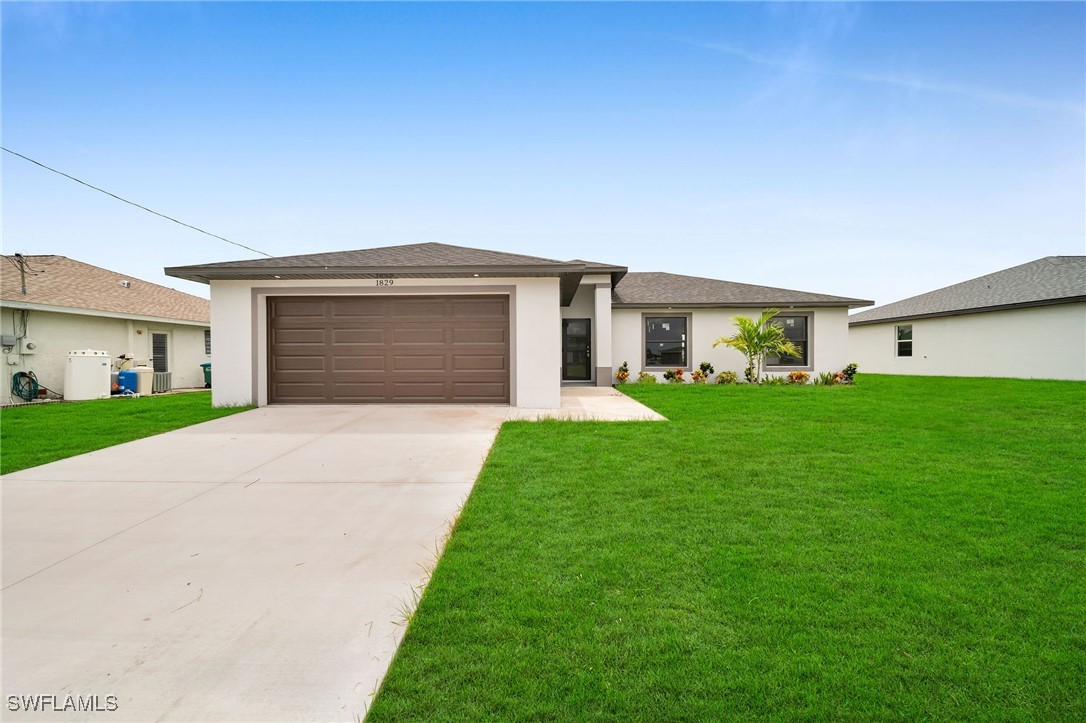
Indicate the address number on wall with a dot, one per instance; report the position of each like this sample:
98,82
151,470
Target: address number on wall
385,282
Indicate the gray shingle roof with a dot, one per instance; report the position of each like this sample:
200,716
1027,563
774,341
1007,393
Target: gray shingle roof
1051,280
64,282
409,255
661,289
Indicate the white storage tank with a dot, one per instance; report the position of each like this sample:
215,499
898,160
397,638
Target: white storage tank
86,375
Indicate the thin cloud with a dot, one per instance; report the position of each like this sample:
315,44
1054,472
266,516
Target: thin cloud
907,83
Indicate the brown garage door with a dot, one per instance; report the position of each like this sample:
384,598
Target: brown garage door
392,349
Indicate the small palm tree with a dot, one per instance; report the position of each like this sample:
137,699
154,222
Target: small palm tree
757,339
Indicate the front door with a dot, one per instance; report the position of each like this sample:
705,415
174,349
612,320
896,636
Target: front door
577,349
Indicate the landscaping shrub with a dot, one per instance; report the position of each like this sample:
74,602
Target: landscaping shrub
646,378
623,373
727,377
674,376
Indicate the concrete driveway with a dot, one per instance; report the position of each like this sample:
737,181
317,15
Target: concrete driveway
249,568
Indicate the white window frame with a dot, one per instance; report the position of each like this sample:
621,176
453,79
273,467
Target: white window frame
898,341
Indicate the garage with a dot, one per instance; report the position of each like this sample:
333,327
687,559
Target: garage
388,349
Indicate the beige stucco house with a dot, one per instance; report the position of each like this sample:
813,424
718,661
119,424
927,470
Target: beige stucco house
52,305
436,323
1028,321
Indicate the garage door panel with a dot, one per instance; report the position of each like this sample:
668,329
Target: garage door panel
341,335
419,362
370,363
419,335
480,391
389,349
479,361
349,308
300,308
299,336
417,309
492,309
481,335
309,391
300,363
415,389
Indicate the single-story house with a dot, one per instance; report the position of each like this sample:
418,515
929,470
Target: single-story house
53,305
1028,321
436,323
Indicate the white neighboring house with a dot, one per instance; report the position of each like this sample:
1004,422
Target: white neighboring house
69,305
1028,321
433,323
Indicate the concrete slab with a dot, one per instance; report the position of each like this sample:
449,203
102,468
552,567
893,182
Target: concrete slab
595,404
274,594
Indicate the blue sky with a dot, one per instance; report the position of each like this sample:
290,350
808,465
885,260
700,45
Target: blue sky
876,150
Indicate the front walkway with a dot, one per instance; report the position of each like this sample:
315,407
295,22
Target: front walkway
599,404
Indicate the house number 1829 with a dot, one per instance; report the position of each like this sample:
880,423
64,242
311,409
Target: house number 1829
384,282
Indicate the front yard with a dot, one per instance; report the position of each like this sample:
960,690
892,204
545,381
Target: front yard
909,548
34,434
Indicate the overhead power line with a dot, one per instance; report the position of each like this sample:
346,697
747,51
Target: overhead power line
133,203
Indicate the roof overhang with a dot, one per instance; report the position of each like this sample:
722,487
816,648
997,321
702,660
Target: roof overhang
977,310
849,303
29,306
569,275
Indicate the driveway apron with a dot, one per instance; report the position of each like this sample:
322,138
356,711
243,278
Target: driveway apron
255,567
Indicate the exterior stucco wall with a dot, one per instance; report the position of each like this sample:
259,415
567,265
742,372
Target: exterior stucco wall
240,370
56,334
1043,342
829,338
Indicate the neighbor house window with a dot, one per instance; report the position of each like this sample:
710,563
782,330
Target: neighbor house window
904,334
665,341
796,330
207,342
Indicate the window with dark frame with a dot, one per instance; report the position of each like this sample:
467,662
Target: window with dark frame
665,341
207,342
904,335
796,331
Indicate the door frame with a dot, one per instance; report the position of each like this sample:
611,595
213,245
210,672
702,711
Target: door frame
587,350
151,347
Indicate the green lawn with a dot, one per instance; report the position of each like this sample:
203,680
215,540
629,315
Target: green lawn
905,549
39,433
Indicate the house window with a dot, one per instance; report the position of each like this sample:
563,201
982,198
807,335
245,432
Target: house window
796,330
904,336
665,341
207,342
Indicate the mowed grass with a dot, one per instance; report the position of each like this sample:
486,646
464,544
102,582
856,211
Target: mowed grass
906,549
35,434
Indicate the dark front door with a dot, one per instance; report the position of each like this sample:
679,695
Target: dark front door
577,349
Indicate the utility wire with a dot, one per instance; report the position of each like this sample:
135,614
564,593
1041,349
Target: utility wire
133,203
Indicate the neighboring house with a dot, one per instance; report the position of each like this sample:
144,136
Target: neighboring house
69,305
436,323
1027,321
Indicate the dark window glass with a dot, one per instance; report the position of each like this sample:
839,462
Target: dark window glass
160,352
905,340
207,342
665,341
795,330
